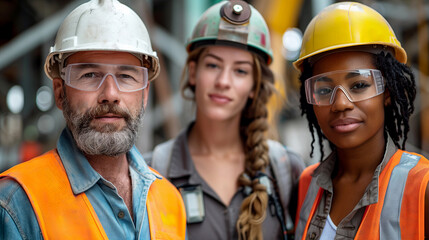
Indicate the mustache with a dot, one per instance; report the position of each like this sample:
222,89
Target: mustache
99,110
103,109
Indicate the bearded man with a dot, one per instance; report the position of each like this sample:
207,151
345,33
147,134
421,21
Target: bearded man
95,184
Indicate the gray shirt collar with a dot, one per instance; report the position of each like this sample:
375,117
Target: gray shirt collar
323,174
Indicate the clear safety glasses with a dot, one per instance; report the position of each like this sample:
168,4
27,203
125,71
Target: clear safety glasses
90,76
357,85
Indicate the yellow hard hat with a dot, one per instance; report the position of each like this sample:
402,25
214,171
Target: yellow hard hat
345,25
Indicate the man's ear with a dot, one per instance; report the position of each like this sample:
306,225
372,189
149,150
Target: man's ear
192,72
146,95
58,92
387,100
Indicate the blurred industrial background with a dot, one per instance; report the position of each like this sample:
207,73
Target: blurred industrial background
30,123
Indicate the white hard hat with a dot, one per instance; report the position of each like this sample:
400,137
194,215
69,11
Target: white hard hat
101,25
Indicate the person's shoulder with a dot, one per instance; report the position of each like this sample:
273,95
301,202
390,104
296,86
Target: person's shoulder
160,149
274,145
9,190
12,180
419,158
17,214
308,171
278,150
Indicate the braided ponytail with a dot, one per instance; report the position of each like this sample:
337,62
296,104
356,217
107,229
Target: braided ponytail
253,128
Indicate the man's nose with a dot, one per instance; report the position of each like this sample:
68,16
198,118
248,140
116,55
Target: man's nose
109,90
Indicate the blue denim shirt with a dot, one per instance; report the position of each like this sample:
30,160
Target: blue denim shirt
17,218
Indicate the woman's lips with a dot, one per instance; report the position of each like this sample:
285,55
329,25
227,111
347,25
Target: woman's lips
219,98
345,125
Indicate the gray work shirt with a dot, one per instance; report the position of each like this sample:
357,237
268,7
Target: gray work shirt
220,220
348,227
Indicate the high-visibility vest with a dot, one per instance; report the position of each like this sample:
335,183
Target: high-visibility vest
400,209
63,215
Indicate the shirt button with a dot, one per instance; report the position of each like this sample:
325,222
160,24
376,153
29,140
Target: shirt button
121,214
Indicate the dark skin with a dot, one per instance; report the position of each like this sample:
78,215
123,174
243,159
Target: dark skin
357,131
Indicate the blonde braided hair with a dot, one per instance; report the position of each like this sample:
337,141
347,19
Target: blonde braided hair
253,128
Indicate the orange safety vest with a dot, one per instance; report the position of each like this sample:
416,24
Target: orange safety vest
400,209
63,215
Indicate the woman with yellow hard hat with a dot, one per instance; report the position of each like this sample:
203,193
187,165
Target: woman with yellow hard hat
358,94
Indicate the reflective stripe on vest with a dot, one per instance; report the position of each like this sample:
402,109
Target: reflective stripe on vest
63,215
389,226
402,186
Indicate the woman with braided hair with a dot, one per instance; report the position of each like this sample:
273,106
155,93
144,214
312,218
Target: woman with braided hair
358,94
229,174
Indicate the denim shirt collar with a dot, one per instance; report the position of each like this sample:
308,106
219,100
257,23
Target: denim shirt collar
81,174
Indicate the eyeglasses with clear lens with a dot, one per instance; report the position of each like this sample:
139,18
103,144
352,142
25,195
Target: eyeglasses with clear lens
357,85
90,76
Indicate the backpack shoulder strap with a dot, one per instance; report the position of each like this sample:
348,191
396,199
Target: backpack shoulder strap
287,167
281,168
161,157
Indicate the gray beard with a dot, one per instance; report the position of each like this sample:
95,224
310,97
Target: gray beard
107,141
